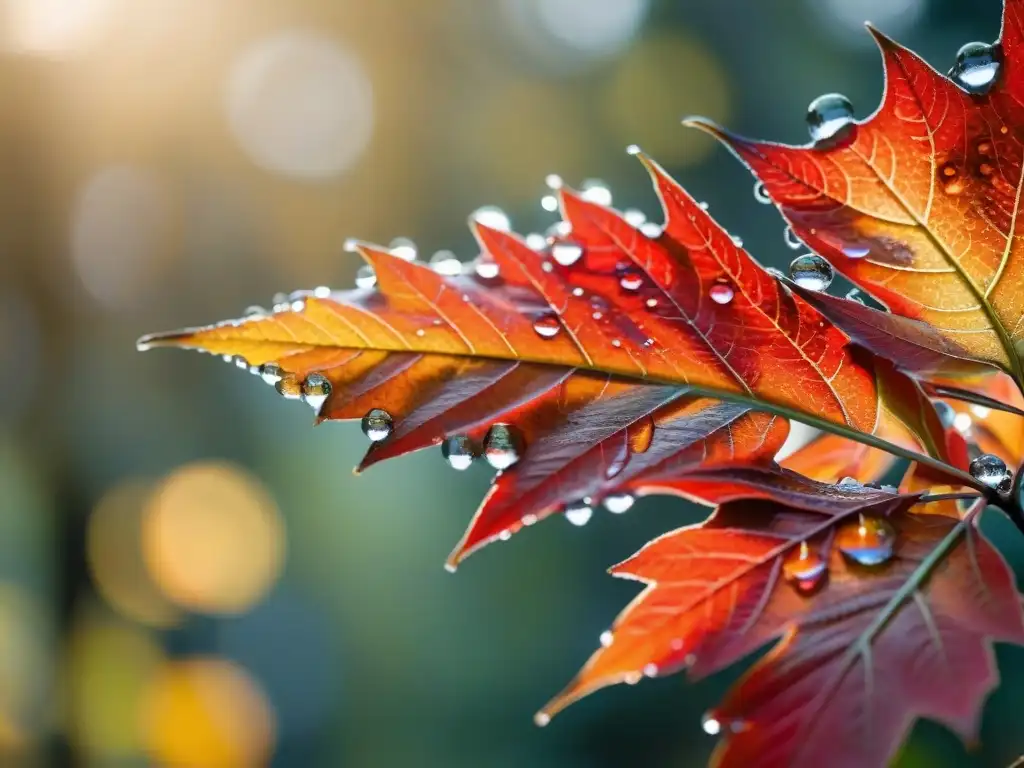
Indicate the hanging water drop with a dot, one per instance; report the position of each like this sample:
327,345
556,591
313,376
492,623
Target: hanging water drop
976,67
445,263
634,217
761,193
868,541
289,387
812,272
459,451
710,724
271,373
855,251
566,254
549,203
547,326
805,569
651,230
240,362
736,240
493,217
486,268
366,277
403,248
991,471
793,242
640,435
579,513
378,425
618,503
315,390
255,312
854,294
631,280
536,241
503,446
596,191
828,115
721,292
606,638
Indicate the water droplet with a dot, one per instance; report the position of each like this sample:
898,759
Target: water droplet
445,263
651,230
486,268
736,240
566,254
981,411
962,422
315,390
547,266
271,373
578,292
579,513
505,535
651,303
596,191
403,248
856,251
633,149
946,412
793,242
378,425
634,217
255,312
828,115
549,203
298,306
553,181
459,451
805,569
849,482
493,217
618,503
953,187
351,245
650,670
420,333
240,362
288,387
976,67
547,326
761,193
721,292
536,241
322,292
703,205
710,724
631,280
985,169
991,471
366,277
868,541
854,294
541,719
616,343
812,272
640,435
559,229
606,638
503,446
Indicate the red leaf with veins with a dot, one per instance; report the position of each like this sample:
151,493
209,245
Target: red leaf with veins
863,650
918,204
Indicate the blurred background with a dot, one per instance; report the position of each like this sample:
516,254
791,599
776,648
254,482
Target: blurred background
189,574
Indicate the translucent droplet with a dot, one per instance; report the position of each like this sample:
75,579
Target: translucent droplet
650,670
812,272
828,115
486,268
849,482
651,303
403,248
721,292
634,217
855,251
596,191
963,422
710,724
315,390
805,569
566,254
547,326
579,513
240,362
991,471
651,230
255,312
503,446
640,435
946,412
868,541
549,203
854,294
378,425
288,387
736,240
528,520
553,181
559,229
536,241
761,193
366,277
493,217
271,373
793,242
445,263
618,503
976,67
459,451
631,280
606,638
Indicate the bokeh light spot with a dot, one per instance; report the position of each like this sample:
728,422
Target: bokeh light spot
208,713
53,27
300,104
212,538
844,20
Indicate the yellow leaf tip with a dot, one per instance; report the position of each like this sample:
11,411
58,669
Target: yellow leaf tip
164,339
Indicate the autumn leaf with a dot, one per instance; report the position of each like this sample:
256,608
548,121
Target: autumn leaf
918,204
875,602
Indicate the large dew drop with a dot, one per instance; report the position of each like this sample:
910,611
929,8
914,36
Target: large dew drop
547,326
579,513
315,390
618,503
991,471
271,373
631,280
566,254
378,425
503,446
976,68
828,115
445,263
812,272
805,569
365,277
289,387
459,451
868,541
721,292
596,191
761,193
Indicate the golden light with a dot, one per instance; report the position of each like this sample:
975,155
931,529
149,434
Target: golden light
207,713
114,553
109,665
212,538
54,27
656,84
25,677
